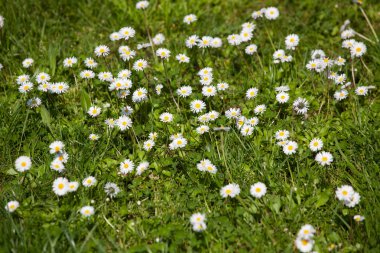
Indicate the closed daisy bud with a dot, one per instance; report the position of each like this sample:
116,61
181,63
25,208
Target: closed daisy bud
12,206
258,190
23,163
87,211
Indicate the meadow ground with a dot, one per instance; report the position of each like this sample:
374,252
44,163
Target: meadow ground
152,211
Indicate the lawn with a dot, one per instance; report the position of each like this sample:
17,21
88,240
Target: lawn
126,133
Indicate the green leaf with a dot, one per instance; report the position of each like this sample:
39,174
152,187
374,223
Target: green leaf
45,116
322,199
85,100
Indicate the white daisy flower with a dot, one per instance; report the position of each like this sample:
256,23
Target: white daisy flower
163,53
158,39
282,135
306,232
87,74
34,102
184,91
61,186
361,90
89,181
69,62
251,49
148,145
340,95
22,79
87,211
182,58
102,50
188,19
230,190
271,13
358,218
204,42
166,117
73,186
216,42
140,95
57,165
123,123
233,113
115,36
344,193
105,76
282,97
222,86
301,106
246,130
290,147
192,41
304,245
209,91
111,189
251,93
56,147
42,78
292,41
23,163
93,137
203,129
234,39
126,166
127,33
258,190
197,218
324,158
316,144
90,63
199,227
27,63
140,65
260,109
197,106
253,121
143,166
358,49
94,111
12,206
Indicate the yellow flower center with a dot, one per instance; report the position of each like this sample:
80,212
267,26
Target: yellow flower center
23,164
258,190
61,186
344,193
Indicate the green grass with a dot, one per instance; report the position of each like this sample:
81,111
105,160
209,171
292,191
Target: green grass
299,190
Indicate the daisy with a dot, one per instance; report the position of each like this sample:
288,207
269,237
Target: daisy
197,106
290,147
240,121
213,115
126,166
182,58
304,245
301,106
158,88
278,54
115,36
248,26
23,163
260,109
306,232
124,74
110,123
246,130
216,42
22,79
253,121
271,13
127,33
191,41
57,165
93,137
222,86
230,190
203,129
184,91
344,193
94,111
317,54
246,35
199,227
87,211
27,63
163,53
25,87
140,65
69,62
127,110
340,95
127,54
158,39
206,80
89,181
251,93
188,19
316,144
178,143
105,76
42,77
102,50
358,49
124,122
201,166
205,42
34,102
148,145
346,34
358,218
166,117
61,186
143,166
73,186
197,218
282,143
353,201
205,72
324,158
251,49
258,190
348,43
87,74
292,41
234,39
361,90
282,97
340,61
209,91
257,14
56,147
233,113
12,206
140,95
340,79
153,136
111,189
282,135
